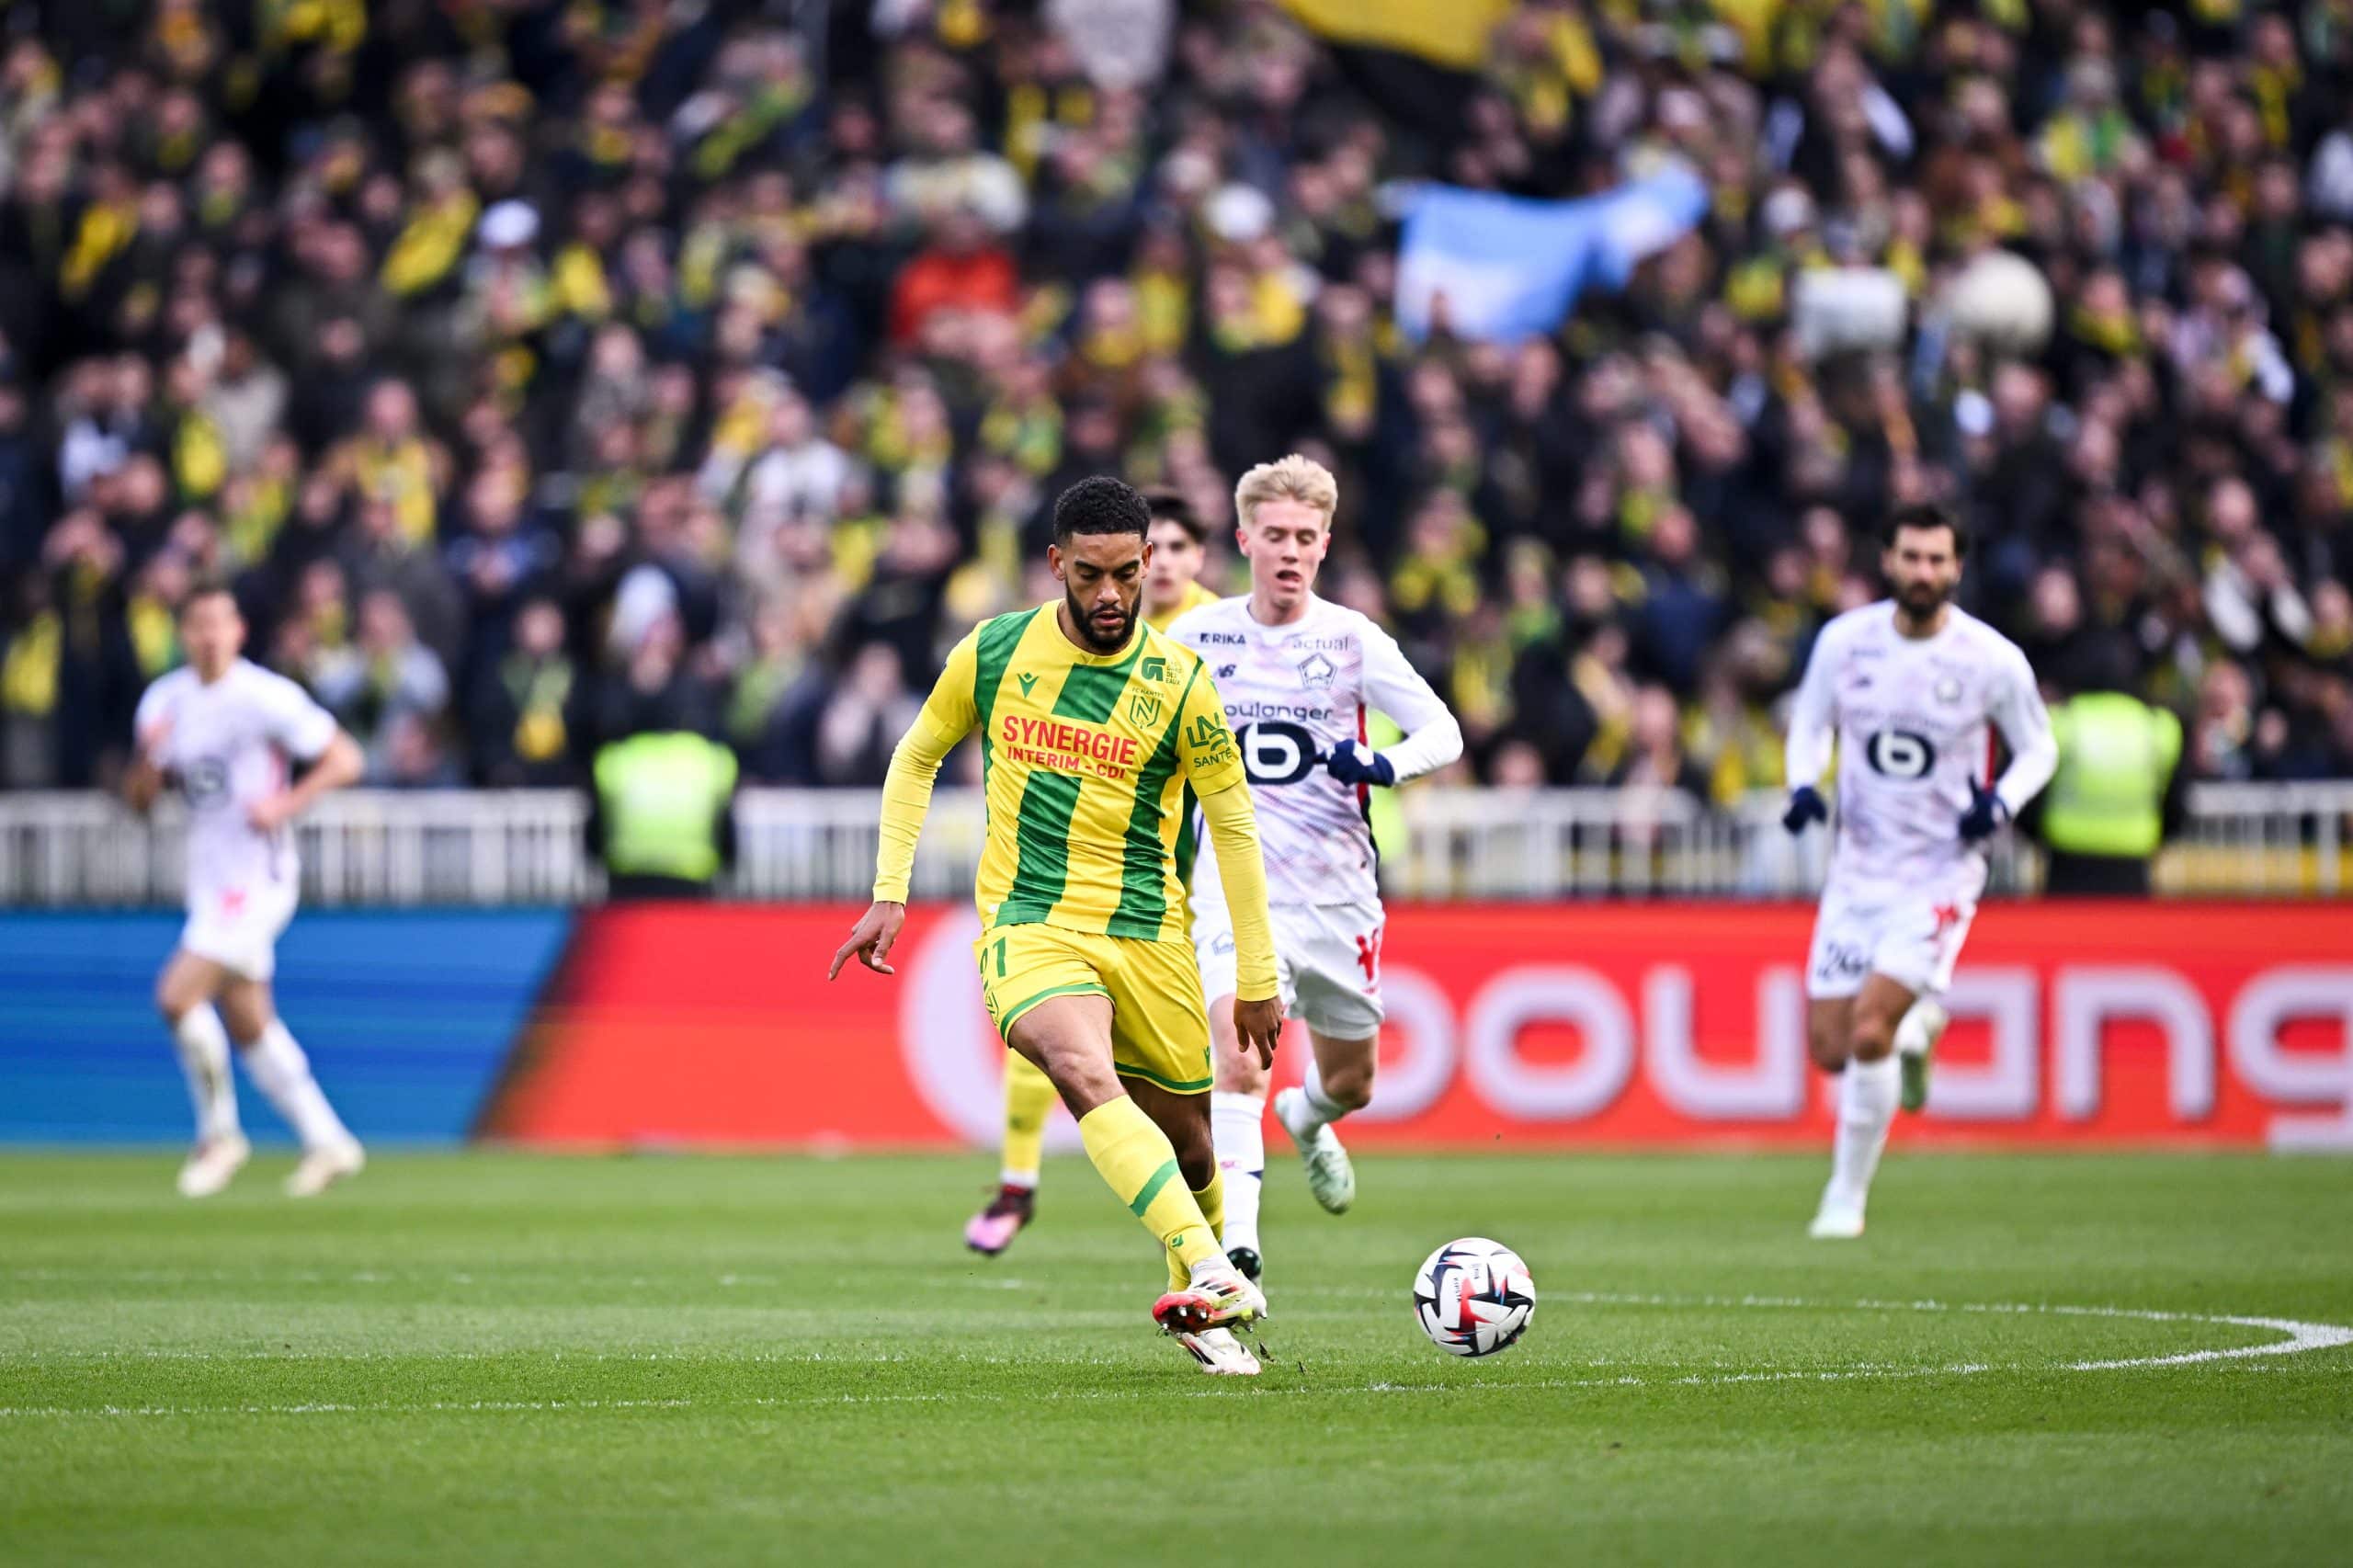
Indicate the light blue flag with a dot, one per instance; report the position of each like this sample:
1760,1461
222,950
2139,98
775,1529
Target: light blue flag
1511,268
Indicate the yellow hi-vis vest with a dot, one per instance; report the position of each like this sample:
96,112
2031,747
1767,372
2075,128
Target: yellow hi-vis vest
661,794
2116,755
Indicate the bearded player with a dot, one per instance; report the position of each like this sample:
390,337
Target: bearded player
1911,688
1171,587
1299,675
223,730
1094,728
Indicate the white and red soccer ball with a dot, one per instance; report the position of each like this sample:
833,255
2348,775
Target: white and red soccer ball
1473,1297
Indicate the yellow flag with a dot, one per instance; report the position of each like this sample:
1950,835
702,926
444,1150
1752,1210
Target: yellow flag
1452,33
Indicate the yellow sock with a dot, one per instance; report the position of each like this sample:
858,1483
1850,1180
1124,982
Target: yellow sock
1135,1157
1211,1201
1028,1100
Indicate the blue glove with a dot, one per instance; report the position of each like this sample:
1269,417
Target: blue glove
1352,762
1985,814
1805,808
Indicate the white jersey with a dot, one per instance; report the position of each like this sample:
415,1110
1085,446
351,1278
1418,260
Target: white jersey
1292,694
228,744
1914,719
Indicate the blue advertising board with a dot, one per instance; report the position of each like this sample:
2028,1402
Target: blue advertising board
407,1016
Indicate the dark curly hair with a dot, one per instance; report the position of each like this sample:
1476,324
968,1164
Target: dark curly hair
1100,504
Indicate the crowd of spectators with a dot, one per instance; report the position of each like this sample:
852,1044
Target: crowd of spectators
538,371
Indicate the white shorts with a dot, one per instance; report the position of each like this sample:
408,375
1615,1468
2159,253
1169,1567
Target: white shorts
238,929
1912,937
1327,963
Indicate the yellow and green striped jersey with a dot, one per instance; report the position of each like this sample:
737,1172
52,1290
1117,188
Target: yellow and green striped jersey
1088,764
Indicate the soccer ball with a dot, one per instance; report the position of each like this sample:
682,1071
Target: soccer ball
1473,1297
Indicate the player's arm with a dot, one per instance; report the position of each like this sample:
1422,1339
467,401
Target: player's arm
1433,738
1233,837
150,727
142,782
2025,723
946,717
1813,728
338,763
303,730
1212,765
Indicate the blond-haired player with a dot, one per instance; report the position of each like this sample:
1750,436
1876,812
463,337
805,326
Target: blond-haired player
1297,676
1093,730
1171,587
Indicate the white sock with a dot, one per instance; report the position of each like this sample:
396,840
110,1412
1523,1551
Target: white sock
1026,1180
204,1047
1865,1105
1238,1123
282,1073
1313,1108
1921,1027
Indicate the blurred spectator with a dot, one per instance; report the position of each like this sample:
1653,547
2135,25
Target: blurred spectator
522,712
384,687
1654,757
875,708
749,380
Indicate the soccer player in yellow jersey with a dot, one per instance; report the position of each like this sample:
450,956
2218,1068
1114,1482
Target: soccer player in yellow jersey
1173,583
1171,587
1094,728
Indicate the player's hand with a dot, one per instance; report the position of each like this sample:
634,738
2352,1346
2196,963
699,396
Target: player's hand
1352,762
1259,1025
142,782
871,938
1805,809
272,811
1984,814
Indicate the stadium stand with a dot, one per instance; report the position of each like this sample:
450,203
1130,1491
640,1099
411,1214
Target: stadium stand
538,371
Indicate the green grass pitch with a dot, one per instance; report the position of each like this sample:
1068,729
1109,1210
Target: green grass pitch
493,1358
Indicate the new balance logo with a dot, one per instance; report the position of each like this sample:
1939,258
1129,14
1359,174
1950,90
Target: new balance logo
1225,672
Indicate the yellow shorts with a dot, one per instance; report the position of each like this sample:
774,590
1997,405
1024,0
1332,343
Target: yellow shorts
1160,1026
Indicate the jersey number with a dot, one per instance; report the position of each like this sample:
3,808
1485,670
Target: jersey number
1900,754
1277,753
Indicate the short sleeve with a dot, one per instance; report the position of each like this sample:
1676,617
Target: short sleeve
1205,747
295,724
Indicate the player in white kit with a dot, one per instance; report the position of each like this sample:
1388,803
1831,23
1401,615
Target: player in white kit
1911,688
1297,675
224,730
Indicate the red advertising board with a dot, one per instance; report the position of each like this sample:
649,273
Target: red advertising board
1614,1023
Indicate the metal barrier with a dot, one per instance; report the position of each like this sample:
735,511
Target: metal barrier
524,848
359,846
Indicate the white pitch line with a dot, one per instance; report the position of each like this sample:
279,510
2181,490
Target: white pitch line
2298,1337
